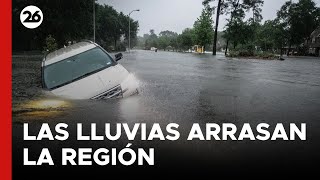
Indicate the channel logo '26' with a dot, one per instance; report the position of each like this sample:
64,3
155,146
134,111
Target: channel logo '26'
31,17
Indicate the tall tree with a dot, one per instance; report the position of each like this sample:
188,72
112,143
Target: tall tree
238,31
187,39
152,40
235,9
203,27
255,7
265,35
254,22
74,17
270,36
298,20
220,5
167,38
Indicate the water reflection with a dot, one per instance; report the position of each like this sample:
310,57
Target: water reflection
40,109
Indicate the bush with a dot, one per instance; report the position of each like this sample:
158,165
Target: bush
241,53
233,54
266,55
248,53
51,44
121,47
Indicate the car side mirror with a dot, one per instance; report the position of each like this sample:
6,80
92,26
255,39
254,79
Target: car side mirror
118,56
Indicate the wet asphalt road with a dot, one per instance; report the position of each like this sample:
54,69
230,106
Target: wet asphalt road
190,88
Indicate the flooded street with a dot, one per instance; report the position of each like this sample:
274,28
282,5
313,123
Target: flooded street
187,88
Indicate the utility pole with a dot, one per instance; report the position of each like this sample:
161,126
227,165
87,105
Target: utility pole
94,21
129,29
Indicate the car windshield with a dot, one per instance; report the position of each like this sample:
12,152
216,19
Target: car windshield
76,67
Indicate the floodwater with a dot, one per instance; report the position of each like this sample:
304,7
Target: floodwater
188,88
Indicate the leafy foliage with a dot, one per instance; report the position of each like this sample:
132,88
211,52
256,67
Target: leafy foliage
221,6
203,27
51,44
70,20
255,7
167,39
151,40
298,20
200,34
187,39
292,27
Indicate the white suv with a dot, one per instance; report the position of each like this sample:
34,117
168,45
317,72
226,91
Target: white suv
86,71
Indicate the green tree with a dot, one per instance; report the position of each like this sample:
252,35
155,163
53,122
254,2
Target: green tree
51,44
152,40
163,42
174,44
108,30
167,38
255,7
203,27
70,21
270,36
186,39
134,27
298,21
239,33
236,11
72,17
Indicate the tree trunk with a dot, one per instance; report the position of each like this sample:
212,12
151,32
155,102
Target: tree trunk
288,52
214,49
253,14
231,21
226,51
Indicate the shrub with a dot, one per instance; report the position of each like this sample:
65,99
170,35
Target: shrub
246,53
266,55
240,53
51,44
233,54
121,47
249,53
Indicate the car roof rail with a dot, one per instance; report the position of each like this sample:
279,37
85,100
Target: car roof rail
86,40
83,40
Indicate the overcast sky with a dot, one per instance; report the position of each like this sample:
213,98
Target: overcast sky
176,15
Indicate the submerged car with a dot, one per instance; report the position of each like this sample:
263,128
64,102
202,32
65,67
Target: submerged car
86,71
